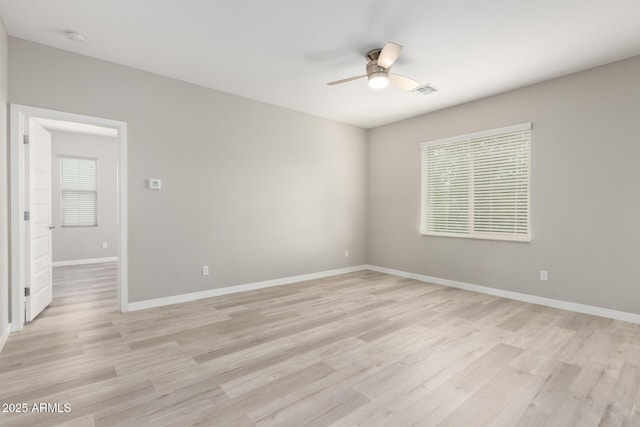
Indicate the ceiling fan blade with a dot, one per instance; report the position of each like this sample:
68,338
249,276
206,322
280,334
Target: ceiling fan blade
337,82
402,82
389,54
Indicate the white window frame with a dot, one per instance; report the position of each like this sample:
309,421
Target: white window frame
63,190
472,234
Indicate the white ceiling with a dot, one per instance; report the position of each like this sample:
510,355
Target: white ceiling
284,51
74,127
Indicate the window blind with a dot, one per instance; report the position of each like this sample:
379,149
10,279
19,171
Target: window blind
477,185
79,192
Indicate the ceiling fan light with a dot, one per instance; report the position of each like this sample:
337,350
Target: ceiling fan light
378,80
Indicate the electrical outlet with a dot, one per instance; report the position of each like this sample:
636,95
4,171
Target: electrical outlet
543,275
105,245
205,270
155,184
346,253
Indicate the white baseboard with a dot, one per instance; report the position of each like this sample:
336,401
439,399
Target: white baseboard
158,302
5,336
84,261
549,302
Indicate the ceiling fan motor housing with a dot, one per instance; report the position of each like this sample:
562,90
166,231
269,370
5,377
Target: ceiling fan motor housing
373,69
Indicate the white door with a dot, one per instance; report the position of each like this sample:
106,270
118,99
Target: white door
38,226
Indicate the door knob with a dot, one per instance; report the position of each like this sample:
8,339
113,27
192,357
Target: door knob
51,227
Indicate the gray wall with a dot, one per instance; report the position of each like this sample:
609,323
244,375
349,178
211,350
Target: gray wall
255,191
4,179
86,242
585,196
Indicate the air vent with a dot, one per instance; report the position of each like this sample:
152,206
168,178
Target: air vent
425,89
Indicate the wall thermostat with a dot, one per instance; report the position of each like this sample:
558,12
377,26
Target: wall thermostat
155,184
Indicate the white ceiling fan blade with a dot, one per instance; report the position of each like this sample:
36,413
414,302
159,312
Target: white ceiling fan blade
389,54
337,82
402,82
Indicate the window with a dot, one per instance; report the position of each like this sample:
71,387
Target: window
477,185
79,196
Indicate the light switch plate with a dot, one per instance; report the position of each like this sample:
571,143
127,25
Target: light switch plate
155,184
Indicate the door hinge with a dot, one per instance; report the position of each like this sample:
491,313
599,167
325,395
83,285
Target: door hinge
27,216
25,139
27,292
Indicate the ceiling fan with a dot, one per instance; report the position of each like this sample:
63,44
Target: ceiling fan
379,62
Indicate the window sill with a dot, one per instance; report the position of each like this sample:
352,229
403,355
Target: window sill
519,239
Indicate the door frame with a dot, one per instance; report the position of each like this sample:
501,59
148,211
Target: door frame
18,113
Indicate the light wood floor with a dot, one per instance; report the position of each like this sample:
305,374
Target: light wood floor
359,349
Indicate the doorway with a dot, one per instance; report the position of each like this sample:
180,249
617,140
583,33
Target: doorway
32,224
